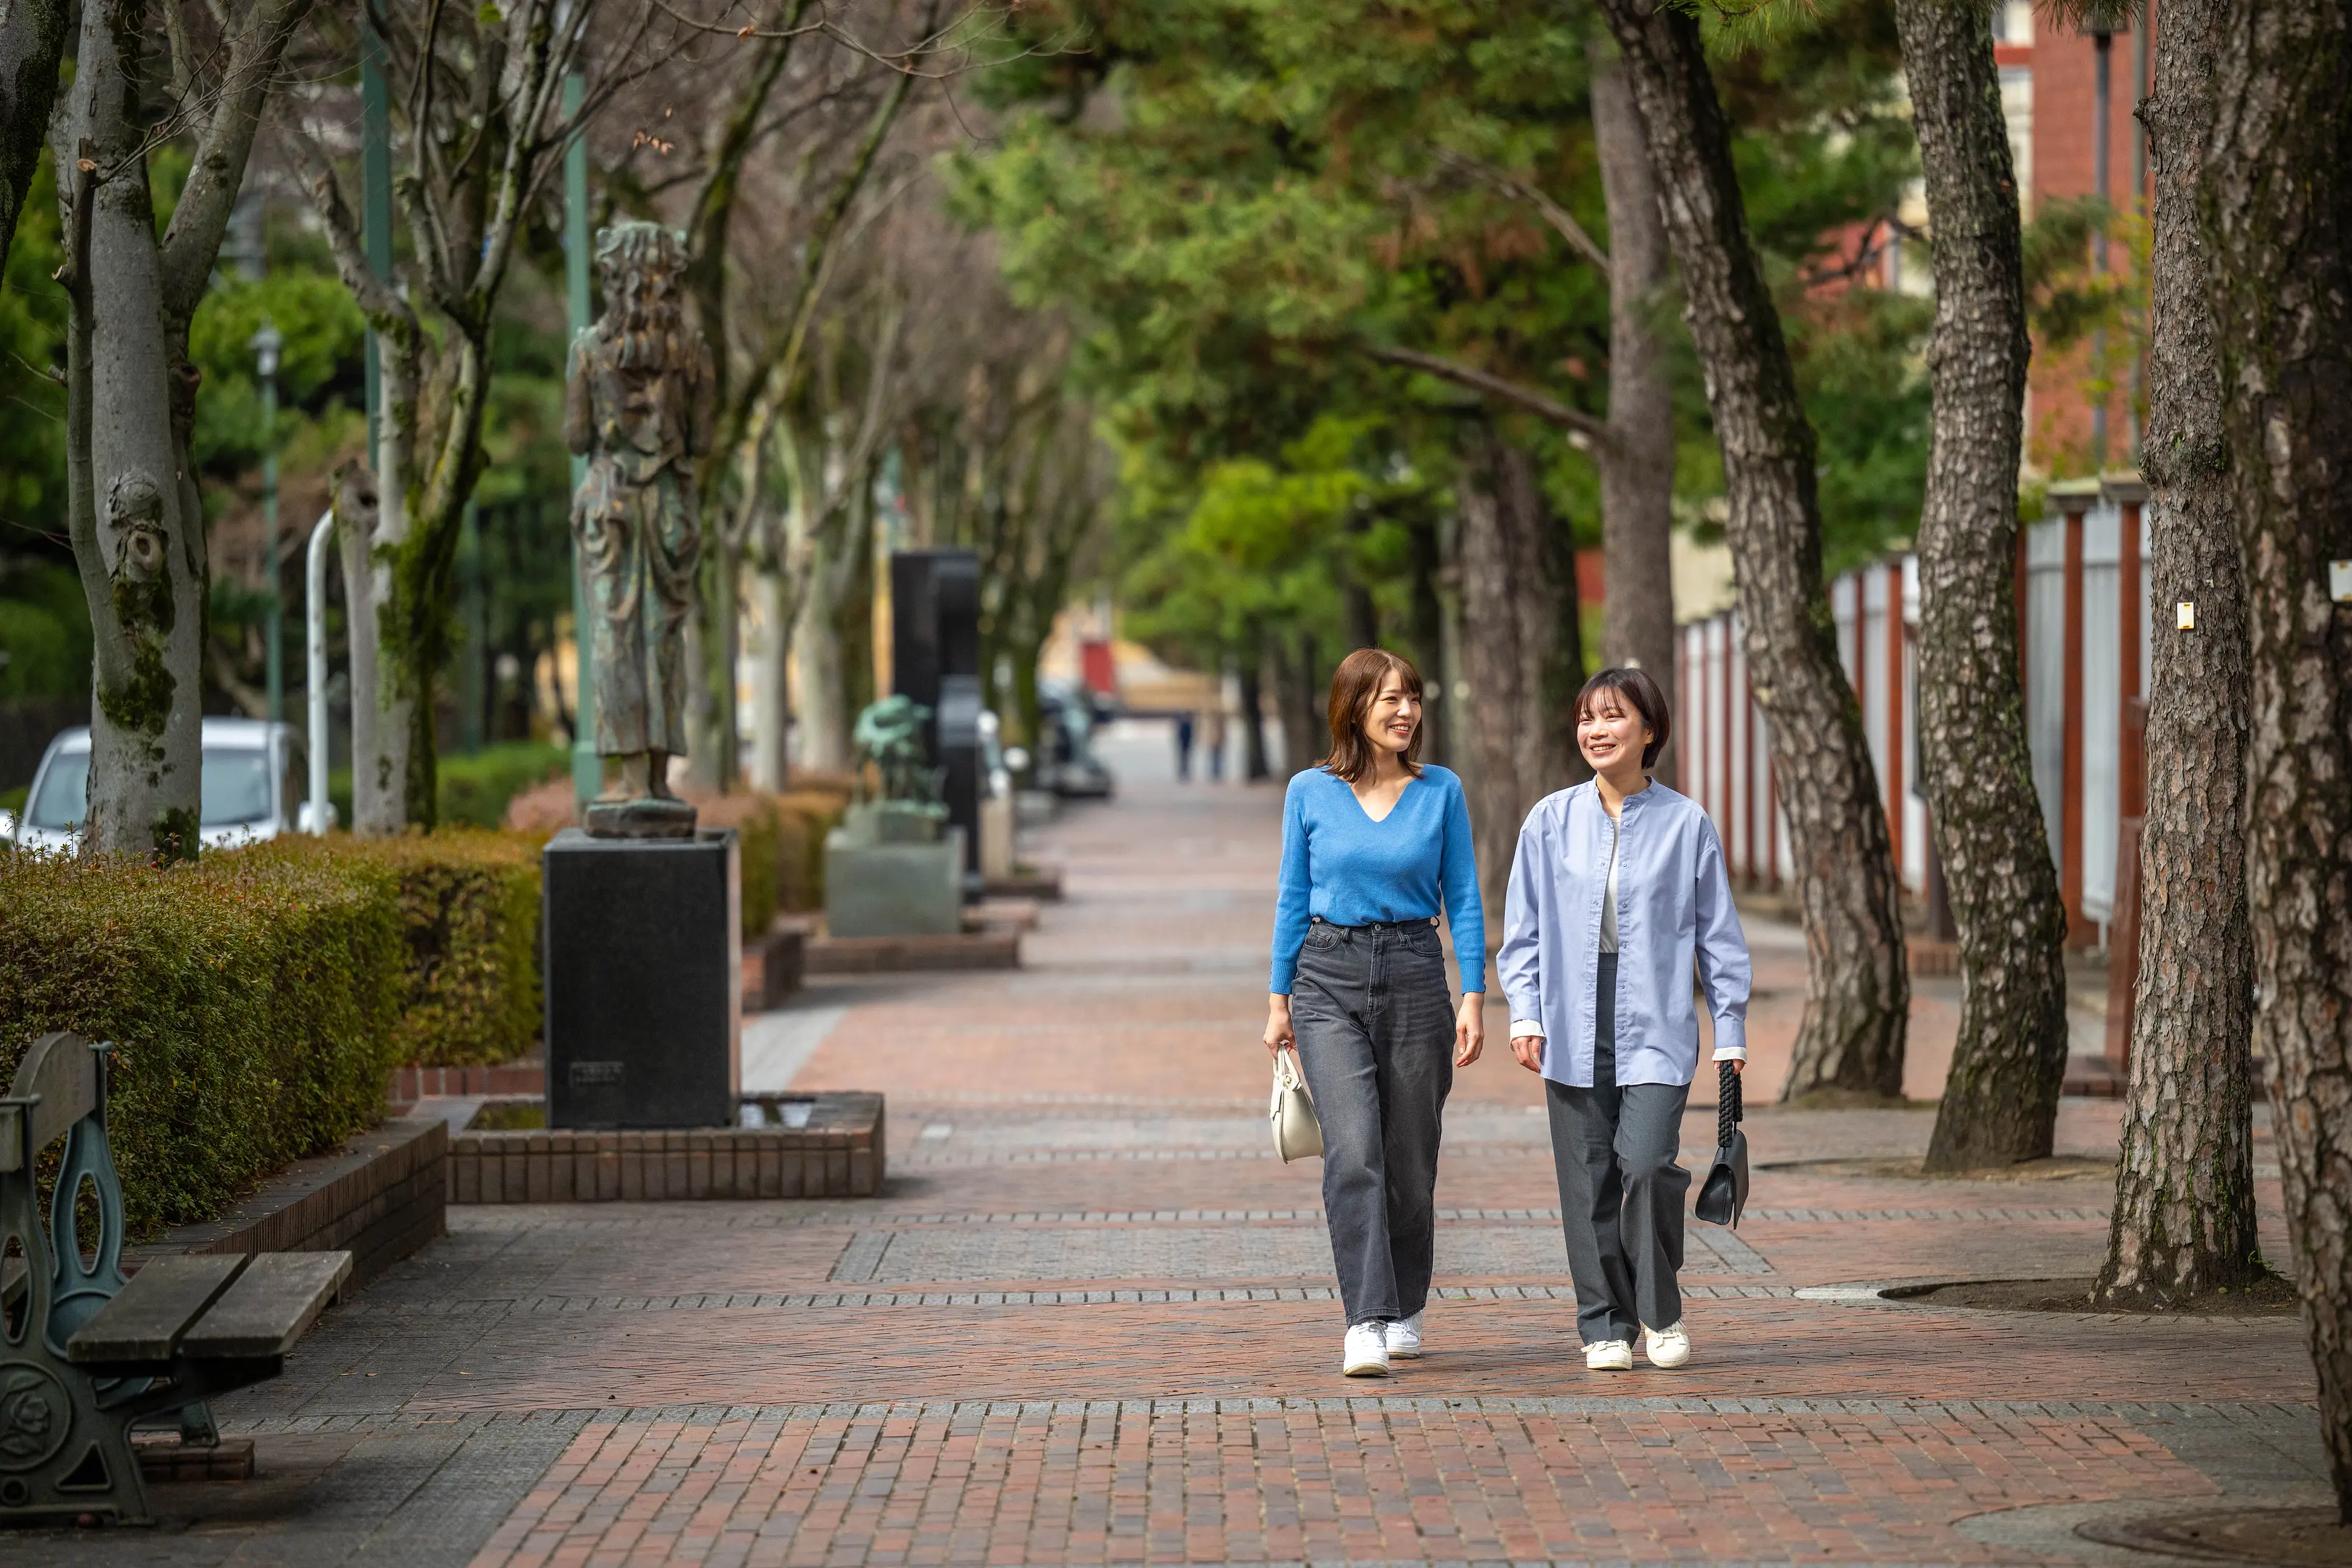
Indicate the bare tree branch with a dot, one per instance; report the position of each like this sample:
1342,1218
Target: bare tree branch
1543,407
1510,185
192,244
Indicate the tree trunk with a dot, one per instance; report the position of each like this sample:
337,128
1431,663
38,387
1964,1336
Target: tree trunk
713,740
2184,1213
1252,695
1520,649
32,45
771,598
1428,631
2275,198
381,713
141,552
1636,464
822,735
1303,743
1858,989
2000,1100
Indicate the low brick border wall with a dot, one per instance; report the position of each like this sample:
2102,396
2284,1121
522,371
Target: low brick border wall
410,1084
839,1155
382,1196
996,949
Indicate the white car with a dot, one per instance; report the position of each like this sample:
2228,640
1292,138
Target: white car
252,787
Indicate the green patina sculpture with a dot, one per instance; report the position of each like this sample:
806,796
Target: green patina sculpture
889,734
639,404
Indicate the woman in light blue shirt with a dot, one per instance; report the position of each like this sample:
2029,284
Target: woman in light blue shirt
1618,893
1374,846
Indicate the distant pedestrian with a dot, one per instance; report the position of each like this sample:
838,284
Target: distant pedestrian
1213,742
1373,846
1617,892
1184,746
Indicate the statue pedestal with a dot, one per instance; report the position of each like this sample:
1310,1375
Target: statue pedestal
648,818
894,888
643,967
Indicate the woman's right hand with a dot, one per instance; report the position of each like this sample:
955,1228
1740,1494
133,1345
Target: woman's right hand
1278,1037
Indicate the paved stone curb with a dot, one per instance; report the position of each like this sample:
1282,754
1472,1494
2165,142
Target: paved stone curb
2250,1413
772,1300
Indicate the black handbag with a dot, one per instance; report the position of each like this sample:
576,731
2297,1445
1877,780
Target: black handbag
1724,1194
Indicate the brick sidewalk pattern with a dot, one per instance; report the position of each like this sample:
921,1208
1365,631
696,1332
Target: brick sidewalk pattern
1091,1320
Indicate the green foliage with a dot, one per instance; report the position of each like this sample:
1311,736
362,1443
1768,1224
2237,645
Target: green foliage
1234,196
249,998
259,998
2065,300
475,790
323,333
781,848
468,913
44,631
32,344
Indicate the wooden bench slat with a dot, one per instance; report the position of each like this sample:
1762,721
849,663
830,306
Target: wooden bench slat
63,1071
147,1317
270,1305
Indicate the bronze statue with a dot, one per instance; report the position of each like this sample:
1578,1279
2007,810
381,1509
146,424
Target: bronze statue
639,404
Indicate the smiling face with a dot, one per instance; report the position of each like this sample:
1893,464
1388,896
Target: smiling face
1610,733
1392,715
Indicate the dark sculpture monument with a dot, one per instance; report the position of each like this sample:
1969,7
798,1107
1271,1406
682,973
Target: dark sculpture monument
638,404
642,962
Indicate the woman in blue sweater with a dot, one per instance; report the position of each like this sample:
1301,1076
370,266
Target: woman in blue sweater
1373,847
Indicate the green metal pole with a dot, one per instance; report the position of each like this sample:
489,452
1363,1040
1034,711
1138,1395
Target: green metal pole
587,768
375,199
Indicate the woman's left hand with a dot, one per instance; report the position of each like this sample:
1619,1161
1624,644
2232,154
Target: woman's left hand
1469,1028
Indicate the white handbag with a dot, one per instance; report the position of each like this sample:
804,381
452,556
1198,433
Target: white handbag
1298,1134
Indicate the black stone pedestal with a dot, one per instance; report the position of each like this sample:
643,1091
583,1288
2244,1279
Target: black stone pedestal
643,965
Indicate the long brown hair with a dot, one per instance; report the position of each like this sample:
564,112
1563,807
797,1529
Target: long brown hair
1353,686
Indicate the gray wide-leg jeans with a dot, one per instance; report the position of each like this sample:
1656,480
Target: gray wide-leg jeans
1620,1192
1374,1019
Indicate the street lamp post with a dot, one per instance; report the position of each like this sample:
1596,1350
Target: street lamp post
266,345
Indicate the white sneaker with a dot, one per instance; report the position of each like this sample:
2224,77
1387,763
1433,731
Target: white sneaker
1366,1354
1667,1346
1404,1338
1608,1356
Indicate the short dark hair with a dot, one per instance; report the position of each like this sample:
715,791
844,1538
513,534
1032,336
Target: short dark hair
1353,686
1640,690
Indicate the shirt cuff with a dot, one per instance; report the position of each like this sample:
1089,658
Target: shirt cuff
1730,1037
1520,1026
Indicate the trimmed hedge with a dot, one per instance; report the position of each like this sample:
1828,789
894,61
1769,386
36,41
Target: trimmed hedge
248,999
475,791
469,903
781,844
258,999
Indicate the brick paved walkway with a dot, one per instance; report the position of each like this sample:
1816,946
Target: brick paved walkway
1091,1321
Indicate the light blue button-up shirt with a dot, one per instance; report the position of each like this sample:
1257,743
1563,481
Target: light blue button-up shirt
1673,912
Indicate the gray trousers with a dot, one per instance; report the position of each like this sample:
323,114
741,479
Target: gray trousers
1620,1192
1374,1020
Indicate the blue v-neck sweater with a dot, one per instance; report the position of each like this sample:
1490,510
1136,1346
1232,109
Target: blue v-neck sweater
1339,864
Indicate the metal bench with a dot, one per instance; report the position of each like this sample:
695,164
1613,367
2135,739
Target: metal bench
85,1354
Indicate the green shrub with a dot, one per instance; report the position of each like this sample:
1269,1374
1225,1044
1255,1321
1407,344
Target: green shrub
757,830
804,817
249,998
473,792
469,908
